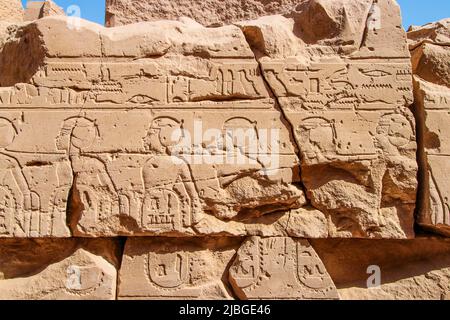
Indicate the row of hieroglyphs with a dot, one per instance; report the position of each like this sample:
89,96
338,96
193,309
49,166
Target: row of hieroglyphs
338,86
137,83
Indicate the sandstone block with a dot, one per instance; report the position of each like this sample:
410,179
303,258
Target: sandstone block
280,268
40,9
134,179
420,270
346,89
172,129
66,269
11,11
430,50
432,110
208,13
164,268
437,32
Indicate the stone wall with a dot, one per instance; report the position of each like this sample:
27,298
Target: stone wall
283,157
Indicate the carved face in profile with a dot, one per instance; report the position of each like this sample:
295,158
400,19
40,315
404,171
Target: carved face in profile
79,133
7,133
163,134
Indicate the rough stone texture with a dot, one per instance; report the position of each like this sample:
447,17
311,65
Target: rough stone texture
430,49
40,9
206,12
346,90
11,11
66,269
205,70
420,270
233,158
436,32
356,145
187,269
280,268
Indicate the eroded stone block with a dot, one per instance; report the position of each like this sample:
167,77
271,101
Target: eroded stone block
40,9
280,268
346,90
184,268
365,269
11,11
204,85
65,269
432,110
430,49
170,128
208,13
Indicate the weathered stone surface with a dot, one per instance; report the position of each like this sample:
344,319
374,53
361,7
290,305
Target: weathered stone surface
206,12
11,11
430,50
432,110
420,270
65,269
200,79
436,32
431,63
197,100
280,268
165,268
40,9
346,88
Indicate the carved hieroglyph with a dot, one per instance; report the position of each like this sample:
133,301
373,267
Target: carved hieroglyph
183,268
60,270
11,11
206,12
280,268
113,106
345,89
430,50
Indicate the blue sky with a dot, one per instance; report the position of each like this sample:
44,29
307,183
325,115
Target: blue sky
416,12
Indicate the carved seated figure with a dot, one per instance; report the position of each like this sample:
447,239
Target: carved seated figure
170,194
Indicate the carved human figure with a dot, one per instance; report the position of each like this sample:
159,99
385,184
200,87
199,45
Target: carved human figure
171,198
15,195
92,182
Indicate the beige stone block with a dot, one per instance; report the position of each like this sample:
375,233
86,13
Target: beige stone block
40,9
67,269
280,268
208,13
432,111
11,11
420,270
184,268
345,88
